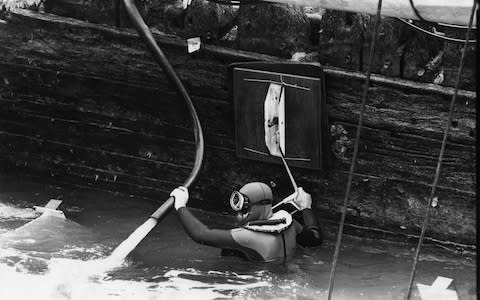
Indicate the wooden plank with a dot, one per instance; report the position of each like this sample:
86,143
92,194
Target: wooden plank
344,38
86,76
98,118
370,204
97,45
118,114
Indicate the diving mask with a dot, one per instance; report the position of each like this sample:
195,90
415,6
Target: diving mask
241,203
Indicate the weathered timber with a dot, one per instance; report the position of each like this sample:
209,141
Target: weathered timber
274,29
338,38
91,11
120,117
85,103
401,51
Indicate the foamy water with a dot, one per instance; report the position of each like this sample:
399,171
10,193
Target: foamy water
26,273
74,279
12,212
52,258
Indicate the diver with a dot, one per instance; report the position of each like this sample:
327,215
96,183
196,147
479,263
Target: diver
261,235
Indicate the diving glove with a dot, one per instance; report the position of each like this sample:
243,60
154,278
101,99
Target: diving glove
181,197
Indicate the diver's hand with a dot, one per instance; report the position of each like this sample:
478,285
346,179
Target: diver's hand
181,197
303,199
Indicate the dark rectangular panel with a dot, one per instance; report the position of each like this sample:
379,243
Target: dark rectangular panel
303,116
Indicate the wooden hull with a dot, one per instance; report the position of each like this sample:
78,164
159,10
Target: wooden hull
85,104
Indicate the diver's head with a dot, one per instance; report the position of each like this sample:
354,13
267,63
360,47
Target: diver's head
252,202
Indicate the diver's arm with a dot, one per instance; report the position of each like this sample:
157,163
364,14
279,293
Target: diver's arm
196,229
311,234
201,234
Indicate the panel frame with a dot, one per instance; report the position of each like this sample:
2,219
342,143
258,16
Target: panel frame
287,73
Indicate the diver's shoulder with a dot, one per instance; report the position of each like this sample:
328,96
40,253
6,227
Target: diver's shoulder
238,229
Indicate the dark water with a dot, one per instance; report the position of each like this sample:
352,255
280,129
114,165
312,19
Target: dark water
52,258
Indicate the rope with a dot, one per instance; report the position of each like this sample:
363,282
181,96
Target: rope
417,13
440,157
456,26
355,152
446,38
242,2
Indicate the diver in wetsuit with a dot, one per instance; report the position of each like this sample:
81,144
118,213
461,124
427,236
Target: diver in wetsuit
263,235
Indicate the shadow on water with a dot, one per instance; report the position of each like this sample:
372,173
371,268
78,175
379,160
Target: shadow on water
51,258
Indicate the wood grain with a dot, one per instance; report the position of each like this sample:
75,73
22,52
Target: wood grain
86,103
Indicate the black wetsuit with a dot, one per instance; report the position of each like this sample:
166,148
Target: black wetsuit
257,246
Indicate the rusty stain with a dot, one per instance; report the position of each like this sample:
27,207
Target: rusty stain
340,141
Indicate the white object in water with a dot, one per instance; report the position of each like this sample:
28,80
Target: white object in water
51,209
193,44
438,290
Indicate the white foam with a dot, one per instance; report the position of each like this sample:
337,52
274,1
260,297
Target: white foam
73,279
67,278
12,212
76,279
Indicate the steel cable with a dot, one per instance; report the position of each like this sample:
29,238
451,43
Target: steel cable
355,151
445,38
440,157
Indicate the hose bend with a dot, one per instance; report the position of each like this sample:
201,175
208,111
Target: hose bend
172,76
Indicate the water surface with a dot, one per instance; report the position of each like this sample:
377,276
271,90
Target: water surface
51,258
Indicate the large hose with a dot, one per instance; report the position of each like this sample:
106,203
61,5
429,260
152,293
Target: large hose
160,58
136,237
